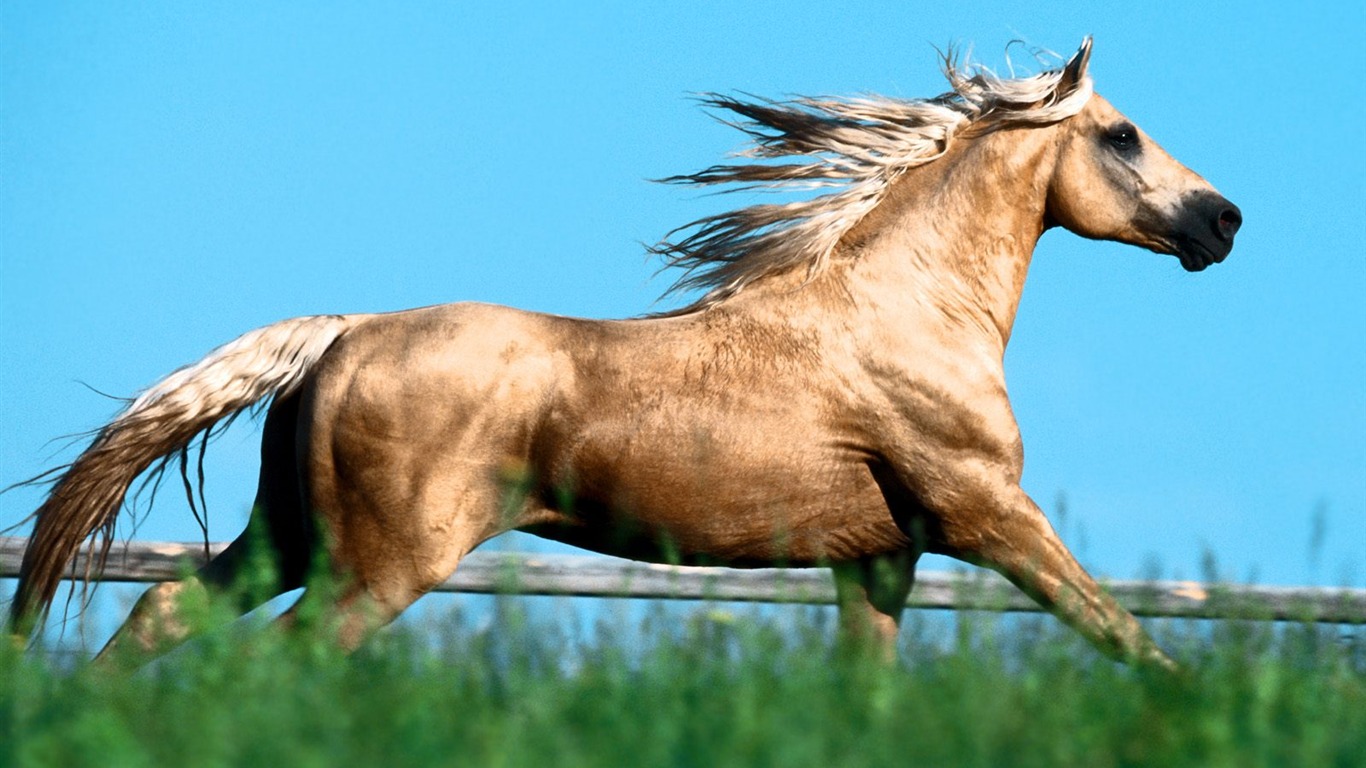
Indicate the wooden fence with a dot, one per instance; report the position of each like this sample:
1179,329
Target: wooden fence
591,576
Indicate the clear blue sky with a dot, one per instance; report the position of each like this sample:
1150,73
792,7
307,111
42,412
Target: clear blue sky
172,175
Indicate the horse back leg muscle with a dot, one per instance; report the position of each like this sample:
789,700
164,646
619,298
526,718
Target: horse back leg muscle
399,499
387,546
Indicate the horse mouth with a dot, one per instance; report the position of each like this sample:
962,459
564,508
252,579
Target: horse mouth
1196,257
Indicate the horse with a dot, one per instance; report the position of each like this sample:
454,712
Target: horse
836,397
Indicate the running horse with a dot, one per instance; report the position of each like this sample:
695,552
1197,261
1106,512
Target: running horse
835,398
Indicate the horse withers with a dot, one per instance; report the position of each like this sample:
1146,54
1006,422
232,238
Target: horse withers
836,397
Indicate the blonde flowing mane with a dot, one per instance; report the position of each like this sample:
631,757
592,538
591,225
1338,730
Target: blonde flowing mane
858,146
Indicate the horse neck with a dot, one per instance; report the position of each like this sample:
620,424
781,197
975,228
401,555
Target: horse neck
955,236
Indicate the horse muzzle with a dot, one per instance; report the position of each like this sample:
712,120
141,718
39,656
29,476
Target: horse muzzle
1204,229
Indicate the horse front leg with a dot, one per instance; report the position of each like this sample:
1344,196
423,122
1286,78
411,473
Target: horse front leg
1007,532
871,595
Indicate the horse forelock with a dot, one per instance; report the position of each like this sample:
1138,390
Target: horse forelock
857,146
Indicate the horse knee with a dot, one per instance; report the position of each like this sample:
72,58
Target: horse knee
871,595
867,631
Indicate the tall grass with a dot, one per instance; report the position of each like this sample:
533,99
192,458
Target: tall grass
698,687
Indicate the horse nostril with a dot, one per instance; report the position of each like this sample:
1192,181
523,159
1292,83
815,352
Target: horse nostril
1230,219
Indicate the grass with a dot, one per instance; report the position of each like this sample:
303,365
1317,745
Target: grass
699,687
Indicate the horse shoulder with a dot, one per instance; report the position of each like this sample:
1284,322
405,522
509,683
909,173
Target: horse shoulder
938,411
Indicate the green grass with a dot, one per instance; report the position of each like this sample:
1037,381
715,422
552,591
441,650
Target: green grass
700,688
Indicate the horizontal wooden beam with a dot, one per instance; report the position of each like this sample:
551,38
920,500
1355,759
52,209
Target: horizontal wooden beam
594,576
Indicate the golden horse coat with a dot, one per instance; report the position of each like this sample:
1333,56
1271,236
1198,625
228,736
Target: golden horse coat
836,398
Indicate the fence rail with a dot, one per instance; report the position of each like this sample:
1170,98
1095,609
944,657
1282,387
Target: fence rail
591,576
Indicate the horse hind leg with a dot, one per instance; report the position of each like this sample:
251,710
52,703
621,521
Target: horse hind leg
375,578
269,558
390,539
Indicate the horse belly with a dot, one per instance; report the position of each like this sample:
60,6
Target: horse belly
735,509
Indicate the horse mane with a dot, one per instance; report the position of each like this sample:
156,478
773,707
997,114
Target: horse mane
858,146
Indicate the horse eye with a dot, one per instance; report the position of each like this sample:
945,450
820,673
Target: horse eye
1123,136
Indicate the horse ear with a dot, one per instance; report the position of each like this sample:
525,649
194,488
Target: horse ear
1075,70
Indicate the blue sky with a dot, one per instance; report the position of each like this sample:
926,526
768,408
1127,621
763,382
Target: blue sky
172,175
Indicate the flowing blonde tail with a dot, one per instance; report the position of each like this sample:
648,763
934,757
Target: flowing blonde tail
162,421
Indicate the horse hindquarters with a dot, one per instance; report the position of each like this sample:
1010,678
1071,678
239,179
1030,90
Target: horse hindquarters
386,461
405,433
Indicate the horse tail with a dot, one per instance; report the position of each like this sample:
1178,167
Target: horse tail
159,423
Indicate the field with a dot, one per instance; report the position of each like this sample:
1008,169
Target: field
699,686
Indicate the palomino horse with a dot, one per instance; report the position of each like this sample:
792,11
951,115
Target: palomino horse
836,398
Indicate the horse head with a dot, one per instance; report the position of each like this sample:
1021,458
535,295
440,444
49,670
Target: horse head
1111,181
